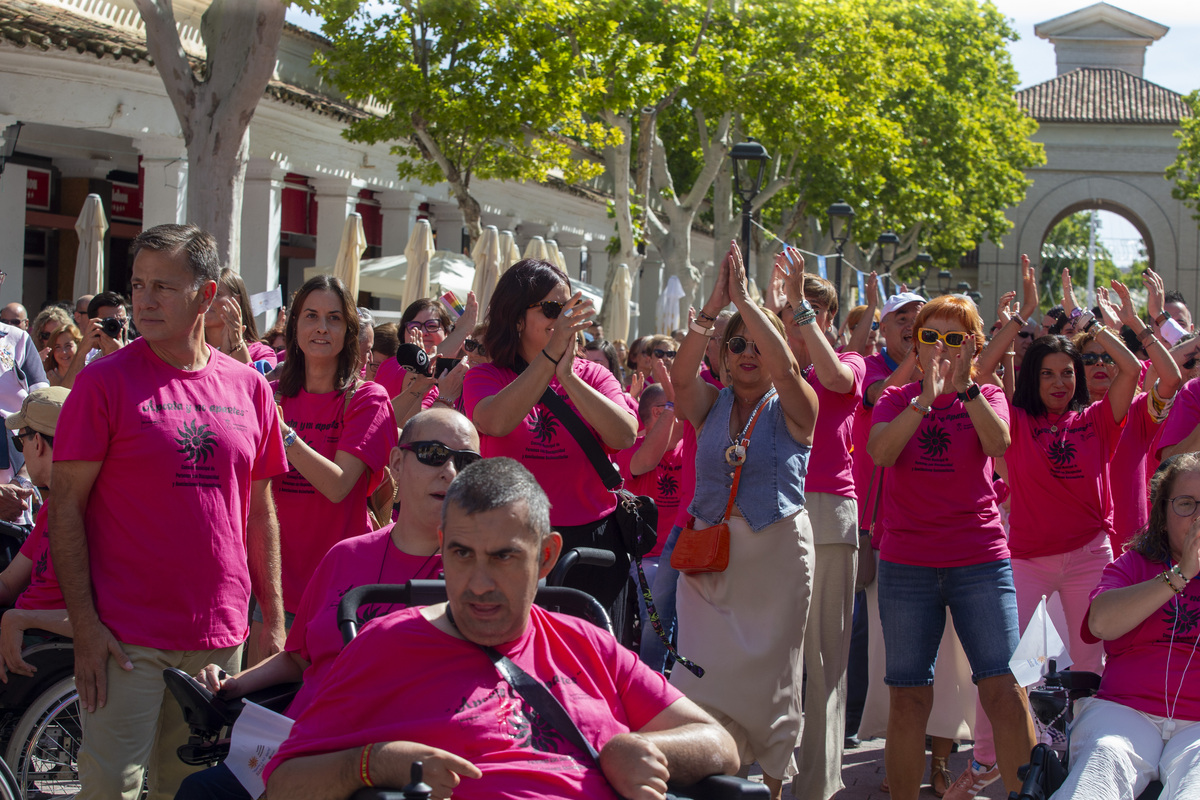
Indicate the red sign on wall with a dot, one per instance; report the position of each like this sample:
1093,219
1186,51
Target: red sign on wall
126,202
37,189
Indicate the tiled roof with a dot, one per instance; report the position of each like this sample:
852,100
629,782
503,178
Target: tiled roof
1091,94
32,24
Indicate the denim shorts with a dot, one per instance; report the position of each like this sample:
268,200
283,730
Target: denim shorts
912,611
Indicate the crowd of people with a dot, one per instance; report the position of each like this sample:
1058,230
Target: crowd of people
833,518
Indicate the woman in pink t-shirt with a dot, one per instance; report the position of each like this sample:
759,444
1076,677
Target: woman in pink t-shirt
229,324
533,322
943,543
338,433
1144,723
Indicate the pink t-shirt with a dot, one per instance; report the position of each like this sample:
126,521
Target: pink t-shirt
830,467
708,376
876,368
1061,493
1137,662
309,522
939,503
43,592
544,445
262,352
1133,464
1183,419
370,558
166,518
672,483
402,679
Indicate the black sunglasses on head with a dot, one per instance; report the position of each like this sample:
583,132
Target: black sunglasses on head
436,454
550,308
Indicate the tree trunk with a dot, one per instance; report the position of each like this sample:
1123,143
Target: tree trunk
616,161
241,39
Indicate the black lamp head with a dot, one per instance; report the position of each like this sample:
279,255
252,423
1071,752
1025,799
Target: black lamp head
748,178
841,218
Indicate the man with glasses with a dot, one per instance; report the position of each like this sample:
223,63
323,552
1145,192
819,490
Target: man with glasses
15,314
105,332
81,311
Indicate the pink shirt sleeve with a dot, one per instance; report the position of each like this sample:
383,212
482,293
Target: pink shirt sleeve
370,427
1184,416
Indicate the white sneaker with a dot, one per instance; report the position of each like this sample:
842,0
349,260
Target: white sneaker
972,781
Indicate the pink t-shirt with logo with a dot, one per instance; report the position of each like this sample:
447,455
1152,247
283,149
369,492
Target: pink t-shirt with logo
1061,493
1137,662
939,502
309,522
363,560
43,592
402,679
672,483
875,369
544,445
166,517
830,467
1183,419
1133,464
262,352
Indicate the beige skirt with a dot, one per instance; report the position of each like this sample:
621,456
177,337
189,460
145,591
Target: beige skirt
745,627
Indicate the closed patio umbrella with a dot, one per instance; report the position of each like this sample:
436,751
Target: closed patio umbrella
537,249
509,252
486,256
91,226
418,251
353,245
556,256
617,305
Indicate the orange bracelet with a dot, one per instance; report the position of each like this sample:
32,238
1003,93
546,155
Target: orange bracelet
364,765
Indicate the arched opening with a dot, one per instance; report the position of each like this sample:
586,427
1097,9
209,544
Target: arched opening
1118,240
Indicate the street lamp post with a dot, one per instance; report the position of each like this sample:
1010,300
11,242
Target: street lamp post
841,218
747,181
944,278
925,261
888,242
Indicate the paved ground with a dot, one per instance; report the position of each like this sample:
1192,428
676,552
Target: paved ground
862,772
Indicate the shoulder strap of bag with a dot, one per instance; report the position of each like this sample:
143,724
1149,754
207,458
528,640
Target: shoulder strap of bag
737,472
583,435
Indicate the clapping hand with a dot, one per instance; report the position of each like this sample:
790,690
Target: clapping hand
962,364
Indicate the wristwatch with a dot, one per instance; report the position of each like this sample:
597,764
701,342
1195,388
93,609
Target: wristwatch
289,438
970,394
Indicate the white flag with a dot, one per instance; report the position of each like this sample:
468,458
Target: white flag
266,301
1038,645
257,736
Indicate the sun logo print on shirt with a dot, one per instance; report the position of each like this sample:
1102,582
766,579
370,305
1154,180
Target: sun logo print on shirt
1184,618
196,442
667,485
1061,453
545,427
934,441
39,568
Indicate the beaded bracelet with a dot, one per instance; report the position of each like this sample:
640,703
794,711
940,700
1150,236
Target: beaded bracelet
364,765
1166,577
702,315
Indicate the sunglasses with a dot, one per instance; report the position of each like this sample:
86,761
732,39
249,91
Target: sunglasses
550,308
14,322
664,353
1092,359
737,346
951,338
436,454
1190,363
431,325
470,345
19,440
1025,334
875,325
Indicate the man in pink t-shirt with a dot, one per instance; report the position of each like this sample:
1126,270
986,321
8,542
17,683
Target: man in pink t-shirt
162,521
418,684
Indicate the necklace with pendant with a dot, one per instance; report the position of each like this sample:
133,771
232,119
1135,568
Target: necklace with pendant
735,454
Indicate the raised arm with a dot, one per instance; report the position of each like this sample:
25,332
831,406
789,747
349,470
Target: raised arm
694,397
862,331
831,372
995,350
1124,386
616,427
887,439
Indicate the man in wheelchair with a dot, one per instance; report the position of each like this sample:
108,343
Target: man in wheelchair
421,684
1144,723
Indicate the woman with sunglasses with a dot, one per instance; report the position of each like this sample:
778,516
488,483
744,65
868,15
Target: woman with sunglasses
1144,723
745,625
533,320
48,320
427,324
943,543
64,342
338,432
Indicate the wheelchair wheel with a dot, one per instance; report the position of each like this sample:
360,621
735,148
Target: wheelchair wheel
43,748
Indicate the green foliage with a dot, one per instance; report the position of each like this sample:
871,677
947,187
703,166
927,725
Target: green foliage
1186,169
1066,247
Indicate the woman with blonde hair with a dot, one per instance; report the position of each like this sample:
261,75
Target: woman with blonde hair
943,542
63,343
48,320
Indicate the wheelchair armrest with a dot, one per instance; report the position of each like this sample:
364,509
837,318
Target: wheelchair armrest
202,710
720,787
1075,682
276,698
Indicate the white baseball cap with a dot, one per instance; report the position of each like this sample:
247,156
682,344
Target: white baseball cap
898,301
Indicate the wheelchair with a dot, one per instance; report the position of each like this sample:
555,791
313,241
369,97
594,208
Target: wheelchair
40,722
1053,708
209,717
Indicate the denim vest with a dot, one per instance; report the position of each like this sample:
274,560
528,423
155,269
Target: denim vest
772,482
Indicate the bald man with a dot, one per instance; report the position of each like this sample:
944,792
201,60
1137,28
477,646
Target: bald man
15,314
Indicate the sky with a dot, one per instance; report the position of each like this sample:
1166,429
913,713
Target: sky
1170,62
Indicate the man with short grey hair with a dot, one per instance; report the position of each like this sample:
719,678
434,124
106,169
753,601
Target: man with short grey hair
423,684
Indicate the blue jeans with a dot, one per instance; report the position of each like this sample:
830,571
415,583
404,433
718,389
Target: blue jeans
857,671
653,652
214,783
912,611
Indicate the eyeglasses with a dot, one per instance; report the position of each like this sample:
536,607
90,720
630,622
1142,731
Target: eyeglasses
951,338
19,440
737,346
550,308
1184,505
470,345
1092,359
436,454
1025,334
430,325
664,353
